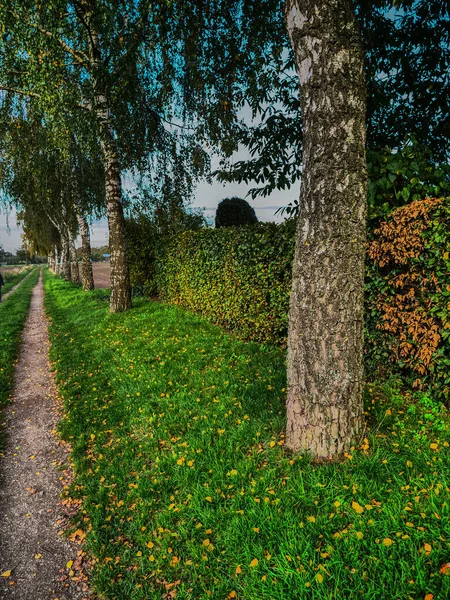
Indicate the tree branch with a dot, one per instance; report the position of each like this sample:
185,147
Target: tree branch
4,88
21,92
78,55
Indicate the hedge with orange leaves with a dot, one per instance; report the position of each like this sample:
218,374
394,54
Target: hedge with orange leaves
408,296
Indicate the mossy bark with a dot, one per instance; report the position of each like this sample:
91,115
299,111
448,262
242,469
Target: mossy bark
325,341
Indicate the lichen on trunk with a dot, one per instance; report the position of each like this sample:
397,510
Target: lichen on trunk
325,341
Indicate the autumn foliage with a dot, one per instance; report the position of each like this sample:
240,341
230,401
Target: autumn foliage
408,294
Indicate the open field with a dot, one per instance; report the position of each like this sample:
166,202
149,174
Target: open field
9,267
13,276
101,274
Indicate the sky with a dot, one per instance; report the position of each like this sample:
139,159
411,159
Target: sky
207,196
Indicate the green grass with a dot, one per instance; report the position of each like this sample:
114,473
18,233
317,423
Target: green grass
13,312
12,279
176,430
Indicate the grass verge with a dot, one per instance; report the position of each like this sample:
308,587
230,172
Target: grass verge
13,312
187,491
12,277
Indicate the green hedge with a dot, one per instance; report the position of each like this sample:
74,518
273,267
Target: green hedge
239,277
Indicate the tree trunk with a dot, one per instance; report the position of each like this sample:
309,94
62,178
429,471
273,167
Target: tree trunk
87,277
325,343
74,269
120,276
65,258
56,261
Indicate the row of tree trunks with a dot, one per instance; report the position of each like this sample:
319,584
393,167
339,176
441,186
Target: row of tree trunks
325,344
68,259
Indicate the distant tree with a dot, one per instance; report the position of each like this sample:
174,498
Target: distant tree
235,212
97,254
22,254
148,229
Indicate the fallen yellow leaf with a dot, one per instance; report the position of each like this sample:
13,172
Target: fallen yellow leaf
388,542
357,508
6,574
427,548
254,562
319,578
69,564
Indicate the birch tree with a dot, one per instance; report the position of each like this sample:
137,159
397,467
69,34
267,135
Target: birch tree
325,340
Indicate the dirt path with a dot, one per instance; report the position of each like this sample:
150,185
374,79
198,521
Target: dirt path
30,485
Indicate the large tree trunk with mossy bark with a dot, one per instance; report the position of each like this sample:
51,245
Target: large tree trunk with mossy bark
119,273
74,269
56,261
50,258
325,342
65,258
87,277
120,276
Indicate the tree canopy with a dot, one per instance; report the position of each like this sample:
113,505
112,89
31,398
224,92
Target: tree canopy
406,45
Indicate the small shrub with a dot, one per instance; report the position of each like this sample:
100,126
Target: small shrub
235,212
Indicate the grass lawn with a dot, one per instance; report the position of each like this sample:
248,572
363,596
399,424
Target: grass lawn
13,312
12,277
188,492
